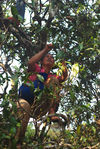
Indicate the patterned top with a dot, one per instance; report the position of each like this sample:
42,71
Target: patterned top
41,71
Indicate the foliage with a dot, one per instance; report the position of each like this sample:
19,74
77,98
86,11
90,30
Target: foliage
73,28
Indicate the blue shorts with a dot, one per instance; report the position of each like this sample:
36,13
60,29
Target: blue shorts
26,92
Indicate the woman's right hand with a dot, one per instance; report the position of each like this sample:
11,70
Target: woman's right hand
48,47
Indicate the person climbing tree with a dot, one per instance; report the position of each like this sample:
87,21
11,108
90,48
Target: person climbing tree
27,93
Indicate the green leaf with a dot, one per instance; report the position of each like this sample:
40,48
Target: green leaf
61,55
72,94
32,2
20,18
81,45
68,62
74,71
18,125
78,129
2,37
40,77
13,130
14,11
89,49
94,129
14,80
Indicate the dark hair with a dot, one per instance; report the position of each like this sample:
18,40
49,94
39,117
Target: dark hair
44,56
41,60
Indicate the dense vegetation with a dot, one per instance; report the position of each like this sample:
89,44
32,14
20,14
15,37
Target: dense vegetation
73,28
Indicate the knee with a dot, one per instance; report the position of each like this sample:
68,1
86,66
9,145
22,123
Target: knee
23,106
53,81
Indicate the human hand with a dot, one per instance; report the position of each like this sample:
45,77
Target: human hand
48,47
64,67
64,63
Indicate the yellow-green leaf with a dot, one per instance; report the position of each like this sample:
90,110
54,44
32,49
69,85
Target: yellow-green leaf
74,71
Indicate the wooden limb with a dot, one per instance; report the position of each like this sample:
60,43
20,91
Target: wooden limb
25,43
93,147
3,66
45,119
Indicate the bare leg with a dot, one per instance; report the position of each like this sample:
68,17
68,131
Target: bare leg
49,100
23,114
53,83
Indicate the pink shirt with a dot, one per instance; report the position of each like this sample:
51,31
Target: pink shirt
38,69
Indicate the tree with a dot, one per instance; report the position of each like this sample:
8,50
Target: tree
73,28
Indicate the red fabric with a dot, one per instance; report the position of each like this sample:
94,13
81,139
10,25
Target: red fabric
38,69
14,20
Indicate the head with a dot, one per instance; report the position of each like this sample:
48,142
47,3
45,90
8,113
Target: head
47,60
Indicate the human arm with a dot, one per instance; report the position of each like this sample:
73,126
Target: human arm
34,59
